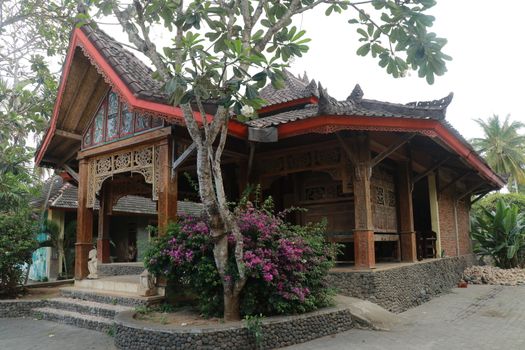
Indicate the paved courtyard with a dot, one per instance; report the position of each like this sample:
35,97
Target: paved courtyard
30,334
479,317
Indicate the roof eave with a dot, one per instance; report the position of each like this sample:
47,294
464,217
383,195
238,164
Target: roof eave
425,126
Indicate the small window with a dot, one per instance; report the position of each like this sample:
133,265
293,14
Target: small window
87,138
112,121
98,127
126,126
142,122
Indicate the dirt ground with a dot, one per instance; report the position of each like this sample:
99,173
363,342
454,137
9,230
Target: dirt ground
40,293
183,317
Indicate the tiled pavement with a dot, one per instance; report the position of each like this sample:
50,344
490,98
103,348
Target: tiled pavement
479,317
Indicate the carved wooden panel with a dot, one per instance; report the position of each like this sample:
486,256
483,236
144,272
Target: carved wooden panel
384,206
143,160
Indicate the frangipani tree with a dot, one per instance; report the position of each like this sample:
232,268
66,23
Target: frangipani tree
222,52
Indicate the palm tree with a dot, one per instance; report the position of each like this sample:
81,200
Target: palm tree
503,147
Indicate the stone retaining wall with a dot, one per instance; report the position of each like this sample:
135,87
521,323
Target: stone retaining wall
118,269
400,288
19,308
277,332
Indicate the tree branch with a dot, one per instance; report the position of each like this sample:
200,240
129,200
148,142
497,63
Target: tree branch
143,45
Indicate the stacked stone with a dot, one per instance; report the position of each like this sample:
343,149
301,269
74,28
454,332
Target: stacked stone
277,332
494,275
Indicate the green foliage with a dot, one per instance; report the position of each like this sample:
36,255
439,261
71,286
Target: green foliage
489,202
254,325
16,247
500,234
503,146
400,39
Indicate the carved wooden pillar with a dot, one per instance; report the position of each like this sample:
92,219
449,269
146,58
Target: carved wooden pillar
406,213
364,253
84,224
103,249
167,202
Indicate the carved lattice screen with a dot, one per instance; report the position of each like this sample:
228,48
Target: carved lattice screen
143,160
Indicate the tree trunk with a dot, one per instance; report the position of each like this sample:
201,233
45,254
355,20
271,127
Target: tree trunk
232,306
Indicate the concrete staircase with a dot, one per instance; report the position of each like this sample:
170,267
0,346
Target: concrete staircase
80,313
93,304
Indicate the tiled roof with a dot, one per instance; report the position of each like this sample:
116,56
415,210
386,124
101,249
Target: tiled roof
64,196
134,73
294,88
355,105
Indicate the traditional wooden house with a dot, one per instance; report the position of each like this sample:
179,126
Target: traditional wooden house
387,176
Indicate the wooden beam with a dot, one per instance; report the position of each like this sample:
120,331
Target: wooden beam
455,180
69,135
469,191
167,202
406,213
84,224
351,156
71,172
391,149
73,152
483,194
431,169
183,157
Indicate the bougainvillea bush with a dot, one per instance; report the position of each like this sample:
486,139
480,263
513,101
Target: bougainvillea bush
287,264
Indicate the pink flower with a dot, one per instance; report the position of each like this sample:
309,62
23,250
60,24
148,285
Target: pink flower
267,277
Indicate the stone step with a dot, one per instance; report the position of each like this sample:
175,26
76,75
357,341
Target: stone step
86,307
109,297
76,319
125,283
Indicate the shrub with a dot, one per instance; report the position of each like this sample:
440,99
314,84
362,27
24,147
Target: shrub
286,264
489,202
500,234
16,247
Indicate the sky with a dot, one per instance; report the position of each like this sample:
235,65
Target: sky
486,74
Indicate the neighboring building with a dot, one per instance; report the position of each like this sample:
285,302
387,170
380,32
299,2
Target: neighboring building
128,231
385,175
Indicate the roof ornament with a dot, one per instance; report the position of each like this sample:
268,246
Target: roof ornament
434,104
305,78
357,94
327,104
312,88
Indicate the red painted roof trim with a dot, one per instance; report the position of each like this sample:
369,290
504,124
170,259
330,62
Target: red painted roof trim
293,103
395,124
79,38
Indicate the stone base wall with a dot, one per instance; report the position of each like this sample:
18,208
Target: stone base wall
400,288
19,308
277,332
119,269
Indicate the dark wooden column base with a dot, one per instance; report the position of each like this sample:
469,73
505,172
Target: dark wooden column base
364,253
81,257
408,246
103,254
